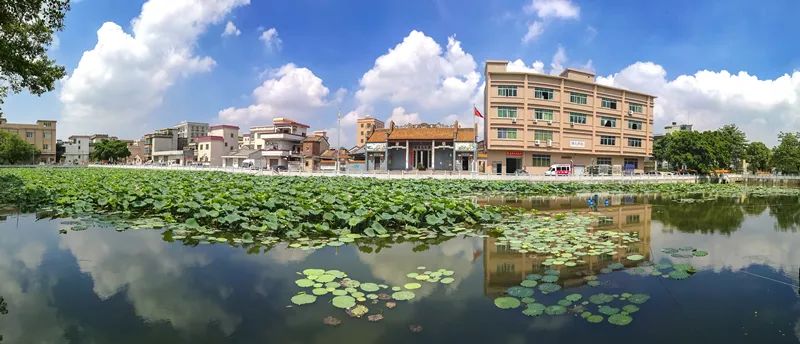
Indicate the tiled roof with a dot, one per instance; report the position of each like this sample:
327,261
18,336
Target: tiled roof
460,134
314,139
208,138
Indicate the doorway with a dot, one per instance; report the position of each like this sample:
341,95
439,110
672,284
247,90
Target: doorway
513,164
465,163
422,158
377,163
498,168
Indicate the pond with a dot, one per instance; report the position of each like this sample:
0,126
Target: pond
103,286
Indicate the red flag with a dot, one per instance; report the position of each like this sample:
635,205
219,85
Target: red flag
476,112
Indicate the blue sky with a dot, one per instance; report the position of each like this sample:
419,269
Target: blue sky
328,46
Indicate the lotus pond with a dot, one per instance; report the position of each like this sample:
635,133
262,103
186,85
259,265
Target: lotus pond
698,263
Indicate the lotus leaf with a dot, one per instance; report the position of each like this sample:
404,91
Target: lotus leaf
447,280
630,309
520,292
313,272
528,300
550,278
700,253
319,291
412,286
564,302
528,283
412,275
304,283
638,298
533,277
608,310
549,288
506,302
325,278
343,301
338,292
403,295
303,299
595,319
573,297
620,319
555,310
369,287
601,298
679,275
635,257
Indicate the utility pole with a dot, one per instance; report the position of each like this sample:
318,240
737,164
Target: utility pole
338,137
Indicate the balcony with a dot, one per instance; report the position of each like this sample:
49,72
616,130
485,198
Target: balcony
281,136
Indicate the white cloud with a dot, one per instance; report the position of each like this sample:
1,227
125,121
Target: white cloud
535,29
271,39
563,9
291,91
710,99
559,59
124,77
519,66
401,117
231,30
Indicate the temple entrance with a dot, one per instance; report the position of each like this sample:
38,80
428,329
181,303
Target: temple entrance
465,163
422,159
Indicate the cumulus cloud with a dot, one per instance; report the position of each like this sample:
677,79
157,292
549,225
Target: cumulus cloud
401,117
123,78
535,29
559,59
563,9
519,66
291,91
710,99
231,30
271,39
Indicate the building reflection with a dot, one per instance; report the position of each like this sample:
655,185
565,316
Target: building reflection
504,268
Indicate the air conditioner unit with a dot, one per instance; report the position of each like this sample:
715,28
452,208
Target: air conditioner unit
514,120
537,142
571,124
550,122
630,112
549,143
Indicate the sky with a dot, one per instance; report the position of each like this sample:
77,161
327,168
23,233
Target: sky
135,66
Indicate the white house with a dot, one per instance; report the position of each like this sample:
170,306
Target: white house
280,143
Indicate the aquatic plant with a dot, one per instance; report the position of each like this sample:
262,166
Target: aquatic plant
506,302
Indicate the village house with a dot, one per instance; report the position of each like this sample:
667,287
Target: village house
421,147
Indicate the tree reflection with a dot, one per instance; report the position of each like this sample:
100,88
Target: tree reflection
723,215
786,212
3,311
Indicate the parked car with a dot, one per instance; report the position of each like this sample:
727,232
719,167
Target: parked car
559,170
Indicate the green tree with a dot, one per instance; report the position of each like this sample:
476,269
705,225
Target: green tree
26,31
729,145
110,150
14,150
786,155
758,156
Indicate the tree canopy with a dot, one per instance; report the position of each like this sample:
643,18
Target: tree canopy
14,150
703,151
26,31
110,150
758,156
786,155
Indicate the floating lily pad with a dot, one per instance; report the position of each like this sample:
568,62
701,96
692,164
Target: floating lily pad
304,283
506,302
403,295
313,272
635,257
573,297
369,287
638,298
620,319
533,277
357,311
447,280
343,301
412,286
608,310
548,288
325,278
679,275
630,309
412,275
319,291
520,292
303,299
555,310
595,319
528,283
339,292
700,253
534,309
528,300
601,298
550,278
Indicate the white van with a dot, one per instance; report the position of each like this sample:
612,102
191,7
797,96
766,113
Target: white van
559,170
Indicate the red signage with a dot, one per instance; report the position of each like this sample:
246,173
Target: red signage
514,153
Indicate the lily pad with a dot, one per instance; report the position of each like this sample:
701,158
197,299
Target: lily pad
369,287
506,302
520,292
555,310
319,291
638,298
447,280
528,283
594,318
550,278
608,310
601,298
403,295
343,301
412,286
548,288
679,275
304,283
303,299
700,253
630,309
573,297
635,257
357,311
313,272
620,319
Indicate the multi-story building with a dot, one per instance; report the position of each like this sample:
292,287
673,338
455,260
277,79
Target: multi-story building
167,147
533,120
245,141
190,130
221,141
421,147
137,157
41,136
280,143
313,147
365,127
677,127
78,149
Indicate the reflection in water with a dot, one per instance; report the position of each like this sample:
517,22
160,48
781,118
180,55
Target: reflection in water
504,268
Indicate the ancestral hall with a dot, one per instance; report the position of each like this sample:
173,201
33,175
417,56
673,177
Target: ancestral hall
421,147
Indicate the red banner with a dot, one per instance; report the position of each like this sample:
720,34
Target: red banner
514,153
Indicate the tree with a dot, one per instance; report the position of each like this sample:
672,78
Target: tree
758,156
729,145
26,31
786,156
14,150
110,150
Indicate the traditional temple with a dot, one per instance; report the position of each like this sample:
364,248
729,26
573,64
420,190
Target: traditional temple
421,147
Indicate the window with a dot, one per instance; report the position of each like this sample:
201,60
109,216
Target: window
604,161
226,144
45,135
578,118
543,114
608,140
45,147
608,122
369,125
608,103
543,93
29,134
506,112
540,160
362,125
577,98
631,163
605,220
505,268
635,125
630,219
506,133
507,91
543,135
637,108
231,135
632,142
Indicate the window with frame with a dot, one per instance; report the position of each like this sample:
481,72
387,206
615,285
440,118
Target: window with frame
608,140
635,125
608,122
543,135
29,134
507,91
608,103
506,112
541,160
630,163
45,147
604,161
578,118
634,142
506,133
543,114
543,93
631,219
634,107
577,98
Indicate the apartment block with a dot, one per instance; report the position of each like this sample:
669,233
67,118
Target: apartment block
78,149
42,135
532,121
191,130
365,127
222,140
280,143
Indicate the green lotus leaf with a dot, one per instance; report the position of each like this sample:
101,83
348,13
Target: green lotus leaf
682,267
620,319
601,298
304,283
447,280
700,253
555,310
325,278
528,283
573,297
520,292
550,278
412,275
412,286
595,319
339,292
403,295
369,287
533,277
336,273
564,302
506,302
608,310
630,309
679,275
303,299
548,288
528,300
638,298
313,272
319,291
635,257
343,301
